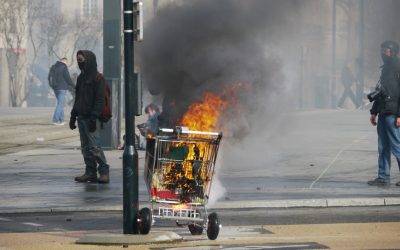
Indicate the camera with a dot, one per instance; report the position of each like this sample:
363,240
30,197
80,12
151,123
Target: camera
142,128
375,94
378,93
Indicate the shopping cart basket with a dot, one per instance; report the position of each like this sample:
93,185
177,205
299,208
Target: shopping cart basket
178,172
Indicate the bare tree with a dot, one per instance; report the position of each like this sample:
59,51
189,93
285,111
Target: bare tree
86,33
13,18
53,33
35,14
24,22
17,21
65,36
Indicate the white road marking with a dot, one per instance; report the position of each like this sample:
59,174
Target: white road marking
32,224
4,219
334,159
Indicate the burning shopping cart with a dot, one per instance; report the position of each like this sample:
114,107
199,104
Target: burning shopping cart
178,173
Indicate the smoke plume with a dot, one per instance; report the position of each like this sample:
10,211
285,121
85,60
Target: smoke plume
209,45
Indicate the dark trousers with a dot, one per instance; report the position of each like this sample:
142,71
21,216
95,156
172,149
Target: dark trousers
92,153
348,93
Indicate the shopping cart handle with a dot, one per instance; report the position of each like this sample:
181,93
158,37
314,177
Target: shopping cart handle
166,130
185,130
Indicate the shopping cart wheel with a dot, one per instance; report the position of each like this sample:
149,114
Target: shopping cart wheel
145,220
195,229
213,226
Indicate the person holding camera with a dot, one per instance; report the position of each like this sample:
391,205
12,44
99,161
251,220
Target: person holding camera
147,129
386,108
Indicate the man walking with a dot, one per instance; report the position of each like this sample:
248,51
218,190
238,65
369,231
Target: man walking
89,100
60,81
347,81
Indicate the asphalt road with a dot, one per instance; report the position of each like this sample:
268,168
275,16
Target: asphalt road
319,158
294,228
112,221
25,129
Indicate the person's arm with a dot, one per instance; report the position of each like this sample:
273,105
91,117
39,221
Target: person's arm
67,78
372,119
50,77
73,111
74,114
374,112
398,100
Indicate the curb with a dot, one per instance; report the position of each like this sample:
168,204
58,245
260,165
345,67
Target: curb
316,203
118,239
334,202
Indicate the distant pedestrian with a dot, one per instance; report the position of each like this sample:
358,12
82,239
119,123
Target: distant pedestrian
147,129
347,81
60,81
152,112
89,100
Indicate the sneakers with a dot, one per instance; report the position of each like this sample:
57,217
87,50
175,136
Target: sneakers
86,178
379,182
58,123
104,179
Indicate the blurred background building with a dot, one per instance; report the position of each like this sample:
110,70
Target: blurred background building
329,35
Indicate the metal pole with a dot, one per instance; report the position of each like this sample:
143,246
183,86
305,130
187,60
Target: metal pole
360,86
130,156
110,131
333,85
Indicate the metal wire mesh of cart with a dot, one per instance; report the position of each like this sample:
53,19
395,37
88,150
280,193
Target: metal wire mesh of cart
180,165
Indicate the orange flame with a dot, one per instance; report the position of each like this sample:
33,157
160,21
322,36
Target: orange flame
180,206
203,116
194,165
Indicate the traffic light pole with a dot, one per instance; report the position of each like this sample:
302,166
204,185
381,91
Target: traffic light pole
130,156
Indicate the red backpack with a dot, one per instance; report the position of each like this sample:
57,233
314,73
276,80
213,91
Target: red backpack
106,113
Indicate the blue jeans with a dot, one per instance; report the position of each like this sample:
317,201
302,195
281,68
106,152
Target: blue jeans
92,153
59,112
388,142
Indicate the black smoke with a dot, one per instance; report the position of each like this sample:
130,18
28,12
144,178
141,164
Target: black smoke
205,45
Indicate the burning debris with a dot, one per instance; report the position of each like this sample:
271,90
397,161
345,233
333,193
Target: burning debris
184,166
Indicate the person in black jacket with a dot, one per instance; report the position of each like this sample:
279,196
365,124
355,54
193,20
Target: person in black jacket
60,81
386,107
89,99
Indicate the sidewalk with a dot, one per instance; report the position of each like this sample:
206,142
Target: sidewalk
330,157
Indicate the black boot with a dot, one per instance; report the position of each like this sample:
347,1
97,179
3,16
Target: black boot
86,178
104,179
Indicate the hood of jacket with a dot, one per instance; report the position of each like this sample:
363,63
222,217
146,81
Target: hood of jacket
89,70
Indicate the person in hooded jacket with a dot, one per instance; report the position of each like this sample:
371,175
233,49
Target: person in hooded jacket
60,81
86,110
386,107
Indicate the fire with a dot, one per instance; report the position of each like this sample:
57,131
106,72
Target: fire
188,173
186,176
203,116
180,206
